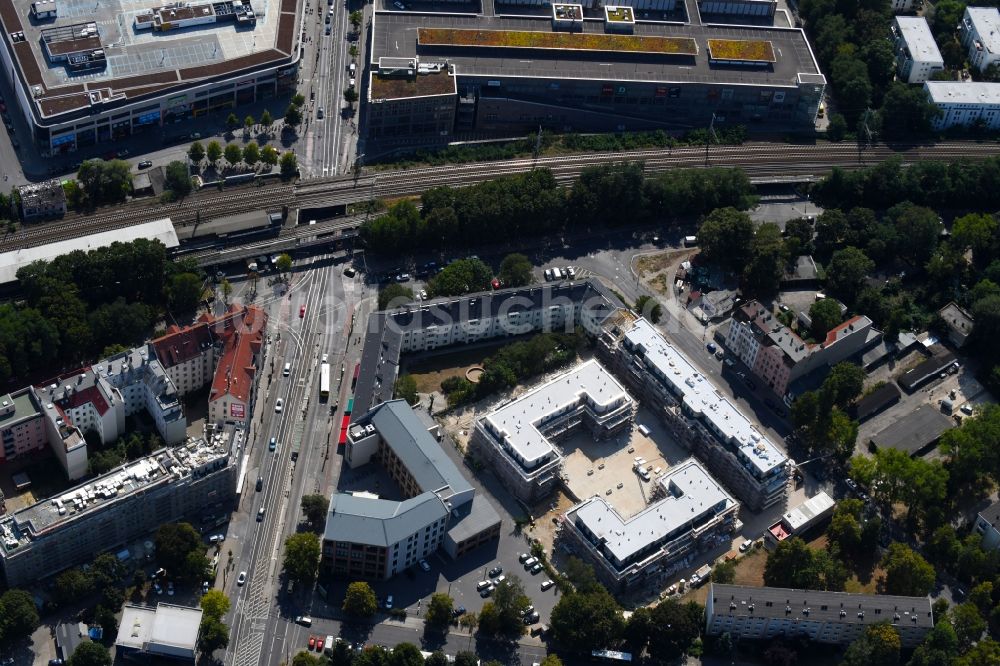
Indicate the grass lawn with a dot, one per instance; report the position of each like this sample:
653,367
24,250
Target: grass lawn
430,372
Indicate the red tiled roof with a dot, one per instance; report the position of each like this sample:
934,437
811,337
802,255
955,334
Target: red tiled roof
244,334
181,344
831,335
90,394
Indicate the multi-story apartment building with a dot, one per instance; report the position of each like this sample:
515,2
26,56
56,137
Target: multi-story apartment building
517,439
473,318
22,425
188,355
988,525
833,618
778,356
899,6
118,507
979,33
965,103
917,54
696,412
695,514
370,537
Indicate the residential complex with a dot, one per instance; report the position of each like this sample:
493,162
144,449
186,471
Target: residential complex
517,439
696,412
437,74
965,103
91,78
116,508
988,525
835,618
695,514
778,356
165,630
370,537
917,54
979,33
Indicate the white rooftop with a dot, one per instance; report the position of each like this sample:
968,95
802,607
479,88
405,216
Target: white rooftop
919,39
519,420
166,630
161,230
957,92
803,513
986,22
702,398
691,494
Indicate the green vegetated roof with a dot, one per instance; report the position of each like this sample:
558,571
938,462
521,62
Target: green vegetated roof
521,39
418,85
620,14
750,50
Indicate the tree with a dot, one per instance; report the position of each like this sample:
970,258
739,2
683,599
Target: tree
289,165
906,572
583,622
360,600
464,658
293,116
837,129
406,388
350,95
284,263
213,152
18,616
516,270
649,307
89,653
918,229
73,585
314,507
251,153
105,618
406,654
248,122
909,110
510,602
184,291
439,610
214,603
724,572
178,179
104,182
233,153
196,152
846,273
212,635
969,624
393,295
844,383
824,314
461,277
581,575
227,289
174,542
793,564
298,99
551,660
269,156
879,646
302,552
303,658
762,275
798,237
232,122
725,238
356,17
677,626
489,619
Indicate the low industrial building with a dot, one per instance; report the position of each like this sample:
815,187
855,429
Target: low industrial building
988,526
915,434
369,537
941,361
690,514
41,200
801,519
116,508
696,412
965,103
167,631
482,74
959,323
979,33
518,438
917,54
832,618
880,399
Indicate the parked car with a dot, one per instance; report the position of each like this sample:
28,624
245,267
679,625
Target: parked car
145,164
546,584
216,538
711,347
319,644
523,557
273,444
457,612
746,545
388,602
536,568
496,571
279,403
302,311
399,5
312,642
424,565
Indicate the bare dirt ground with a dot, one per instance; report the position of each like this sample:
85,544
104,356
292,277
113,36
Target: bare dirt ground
429,372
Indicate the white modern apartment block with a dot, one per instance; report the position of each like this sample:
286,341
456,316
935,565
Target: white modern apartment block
917,54
965,103
517,438
979,32
694,514
988,526
696,412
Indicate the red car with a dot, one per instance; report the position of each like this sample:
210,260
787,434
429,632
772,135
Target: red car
312,642
319,644
302,311
496,284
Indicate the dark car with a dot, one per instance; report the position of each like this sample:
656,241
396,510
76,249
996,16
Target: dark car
496,571
458,611
145,164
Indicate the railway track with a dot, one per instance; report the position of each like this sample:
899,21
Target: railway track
760,160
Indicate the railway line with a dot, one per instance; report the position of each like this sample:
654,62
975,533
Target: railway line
759,160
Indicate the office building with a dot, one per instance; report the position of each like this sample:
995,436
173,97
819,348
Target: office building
93,78
41,200
696,412
988,525
917,54
979,33
778,356
833,618
370,537
163,631
116,508
517,439
507,74
690,514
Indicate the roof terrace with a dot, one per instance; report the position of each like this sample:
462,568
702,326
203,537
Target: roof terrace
564,41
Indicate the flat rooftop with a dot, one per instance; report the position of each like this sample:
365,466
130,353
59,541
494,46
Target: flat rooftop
17,407
396,35
963,92
986,21
704,399
165,629
919,39
416,85
523,420
691,494
915,431
808,510
142,62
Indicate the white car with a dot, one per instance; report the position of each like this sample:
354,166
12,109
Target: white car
324,358
548,275
388,602
278,405
242,578
424,565
746,545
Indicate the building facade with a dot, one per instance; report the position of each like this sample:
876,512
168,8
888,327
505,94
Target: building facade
917,54
22,425
41,200
832,618
517,439
118,507
965,103
690,513
988,525
696,412
979,33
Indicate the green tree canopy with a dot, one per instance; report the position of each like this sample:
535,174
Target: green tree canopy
439,610
289,164
18,616
879,646
725,237
174,542
406,388
105,182
215,604
233,153
251,153
360,600
314,507
461,277
184,291
846,273
906,572
793,564
302,553
196,152
768,258
676,627
393,295
406,654
178,179
268,155
825,314
516,270
649,307
89,653
213,151
582,622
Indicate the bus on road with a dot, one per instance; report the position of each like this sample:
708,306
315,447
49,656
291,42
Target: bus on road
324,381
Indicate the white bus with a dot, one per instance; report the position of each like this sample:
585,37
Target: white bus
324,381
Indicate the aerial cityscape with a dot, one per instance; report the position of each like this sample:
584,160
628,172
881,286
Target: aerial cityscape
500,332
